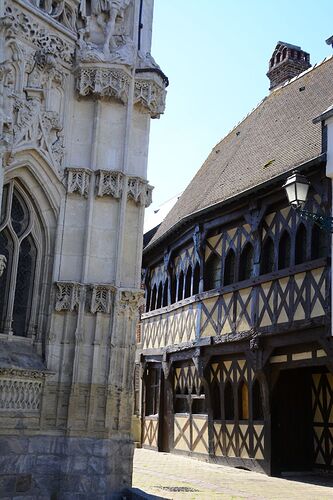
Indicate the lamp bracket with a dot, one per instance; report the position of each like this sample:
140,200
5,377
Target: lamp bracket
323,221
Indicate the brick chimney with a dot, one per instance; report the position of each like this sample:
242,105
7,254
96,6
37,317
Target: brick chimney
286,62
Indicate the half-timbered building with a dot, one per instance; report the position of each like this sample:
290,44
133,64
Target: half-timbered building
235,344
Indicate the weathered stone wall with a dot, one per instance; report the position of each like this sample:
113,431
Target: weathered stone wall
64,467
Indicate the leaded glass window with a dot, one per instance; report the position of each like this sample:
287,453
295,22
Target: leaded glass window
18,284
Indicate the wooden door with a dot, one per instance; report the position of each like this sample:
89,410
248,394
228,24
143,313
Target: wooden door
292,434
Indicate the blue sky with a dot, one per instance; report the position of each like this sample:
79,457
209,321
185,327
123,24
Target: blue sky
216,53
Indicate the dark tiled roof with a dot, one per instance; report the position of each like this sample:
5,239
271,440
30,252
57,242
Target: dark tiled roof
279,133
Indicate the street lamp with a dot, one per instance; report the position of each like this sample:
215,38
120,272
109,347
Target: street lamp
297,187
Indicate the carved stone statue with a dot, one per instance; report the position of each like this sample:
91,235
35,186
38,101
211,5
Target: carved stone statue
113,9
103,30
3,262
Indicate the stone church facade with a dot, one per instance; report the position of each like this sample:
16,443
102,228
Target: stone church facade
78,88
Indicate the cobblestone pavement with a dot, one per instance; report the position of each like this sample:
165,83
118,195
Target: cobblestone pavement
173,476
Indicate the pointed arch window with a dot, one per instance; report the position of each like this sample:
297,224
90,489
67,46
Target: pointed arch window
243,401
20,242
246,262
318,243
284,250
148,297
196,278
153,298
173,288
165,293
216,400
188,282
267,257
300,245
159,296
229,410
180,285
258,413
229,268
213,272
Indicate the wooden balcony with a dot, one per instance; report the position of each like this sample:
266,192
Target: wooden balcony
270,303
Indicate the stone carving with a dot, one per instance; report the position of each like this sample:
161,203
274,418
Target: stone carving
45,68
3,262
20,394
105,35
139,191
39,129
109,183
60,10
78,180
20,24
68,296
101,299
130,302
6,90
150,94
102,82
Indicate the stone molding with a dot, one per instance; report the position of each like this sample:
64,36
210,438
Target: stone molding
150,93
22,394
110,183
78,180
102,82
130,301
111,81
139,191
67,296
101,299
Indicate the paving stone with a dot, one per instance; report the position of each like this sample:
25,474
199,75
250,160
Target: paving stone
166,475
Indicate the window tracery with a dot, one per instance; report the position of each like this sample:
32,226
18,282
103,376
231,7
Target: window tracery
20,235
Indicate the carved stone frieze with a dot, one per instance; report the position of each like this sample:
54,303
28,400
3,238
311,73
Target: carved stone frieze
130,302
78,180
102,82
20,24
20,394
67,296
109,183
150,93
101,298
140,191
